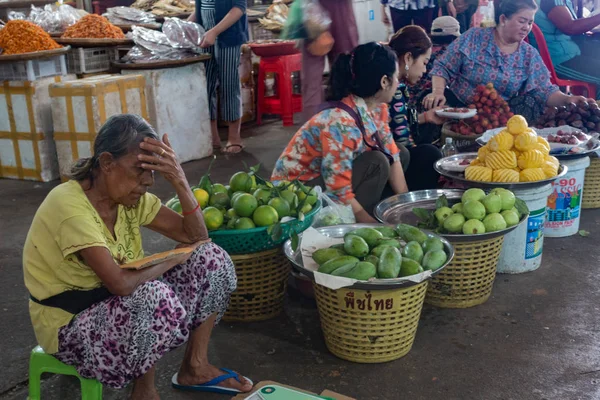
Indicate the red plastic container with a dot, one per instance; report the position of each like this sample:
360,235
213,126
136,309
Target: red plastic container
277,49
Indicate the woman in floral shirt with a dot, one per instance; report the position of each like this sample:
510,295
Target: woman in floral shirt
355,166
500,56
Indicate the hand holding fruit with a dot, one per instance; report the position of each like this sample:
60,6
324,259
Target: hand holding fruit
434,99
432,117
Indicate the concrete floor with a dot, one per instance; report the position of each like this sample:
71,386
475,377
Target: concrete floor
538,336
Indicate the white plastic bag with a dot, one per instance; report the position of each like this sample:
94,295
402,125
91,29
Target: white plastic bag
332,213
316,19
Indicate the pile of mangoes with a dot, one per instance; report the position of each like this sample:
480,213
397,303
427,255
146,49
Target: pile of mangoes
369,253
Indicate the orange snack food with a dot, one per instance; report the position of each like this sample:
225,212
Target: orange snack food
19,37
93,26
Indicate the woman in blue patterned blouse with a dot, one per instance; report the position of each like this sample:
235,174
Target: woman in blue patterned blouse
500,56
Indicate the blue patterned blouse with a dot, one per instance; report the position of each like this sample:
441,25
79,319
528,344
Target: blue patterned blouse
475,59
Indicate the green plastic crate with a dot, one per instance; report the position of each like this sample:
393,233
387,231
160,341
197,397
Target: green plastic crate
259,239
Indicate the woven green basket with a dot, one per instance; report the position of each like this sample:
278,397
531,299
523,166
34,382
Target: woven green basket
260,239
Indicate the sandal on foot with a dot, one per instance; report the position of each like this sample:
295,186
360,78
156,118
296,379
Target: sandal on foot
226,148
212,386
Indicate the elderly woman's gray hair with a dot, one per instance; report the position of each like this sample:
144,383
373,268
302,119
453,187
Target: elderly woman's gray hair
119,135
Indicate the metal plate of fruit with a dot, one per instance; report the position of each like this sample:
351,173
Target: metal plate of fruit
339,231
460,176
404,209
567,142
456,113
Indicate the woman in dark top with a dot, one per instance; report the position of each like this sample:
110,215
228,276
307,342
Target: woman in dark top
574,54
226,31
413,48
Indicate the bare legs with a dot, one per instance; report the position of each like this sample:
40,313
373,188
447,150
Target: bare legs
195,368
234,139
143,387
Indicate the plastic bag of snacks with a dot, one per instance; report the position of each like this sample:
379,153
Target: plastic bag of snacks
332,213
128,15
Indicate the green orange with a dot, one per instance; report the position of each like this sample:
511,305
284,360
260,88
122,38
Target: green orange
265,216
213,218
245,204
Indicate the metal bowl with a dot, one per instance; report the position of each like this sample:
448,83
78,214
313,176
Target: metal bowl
460,177
398,210
339,231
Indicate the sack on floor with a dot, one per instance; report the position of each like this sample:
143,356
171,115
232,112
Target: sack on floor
332,213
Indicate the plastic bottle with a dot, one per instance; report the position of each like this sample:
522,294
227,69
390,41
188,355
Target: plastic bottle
448,149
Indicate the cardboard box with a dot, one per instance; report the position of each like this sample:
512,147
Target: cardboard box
178,105
80,108
27,148
325,394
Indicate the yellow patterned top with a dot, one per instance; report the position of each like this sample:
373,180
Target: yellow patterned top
66,223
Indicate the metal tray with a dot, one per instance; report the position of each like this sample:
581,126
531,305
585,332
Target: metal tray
574,156
377,284
398,210
459,176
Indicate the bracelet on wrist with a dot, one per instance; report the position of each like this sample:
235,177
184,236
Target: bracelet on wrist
186,213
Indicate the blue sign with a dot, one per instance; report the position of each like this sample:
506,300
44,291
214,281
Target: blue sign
371,15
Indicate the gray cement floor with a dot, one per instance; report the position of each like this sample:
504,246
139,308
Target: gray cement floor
538,336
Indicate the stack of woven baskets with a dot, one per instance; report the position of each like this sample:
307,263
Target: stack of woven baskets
261,267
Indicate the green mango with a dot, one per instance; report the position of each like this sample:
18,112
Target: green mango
321,256
413,250
370,235
378,251
401,229
387,232
344,269
372,259
356,246
389,242
335,263
434,259
410,267
413,234
389,263
362,271
432,244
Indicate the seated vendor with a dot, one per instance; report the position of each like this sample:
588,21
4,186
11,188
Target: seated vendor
499,56
347,148
574,54
413,48
114,324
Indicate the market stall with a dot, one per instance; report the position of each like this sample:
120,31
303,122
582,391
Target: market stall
27,69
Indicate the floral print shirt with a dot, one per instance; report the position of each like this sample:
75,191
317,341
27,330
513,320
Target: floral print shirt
475,59
329,142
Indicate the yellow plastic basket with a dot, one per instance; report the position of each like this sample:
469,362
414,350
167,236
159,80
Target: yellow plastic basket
467,281
262,282
370,326
591,186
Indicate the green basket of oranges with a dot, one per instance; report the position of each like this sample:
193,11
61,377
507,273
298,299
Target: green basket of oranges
245,241
250,214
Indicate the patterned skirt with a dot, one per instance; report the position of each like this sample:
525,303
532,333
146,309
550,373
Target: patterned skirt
119,339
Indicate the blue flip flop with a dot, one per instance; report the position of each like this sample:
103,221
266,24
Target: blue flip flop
212,385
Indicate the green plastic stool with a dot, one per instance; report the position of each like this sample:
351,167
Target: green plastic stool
40,362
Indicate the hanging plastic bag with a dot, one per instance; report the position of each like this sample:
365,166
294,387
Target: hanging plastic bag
294,25
332,213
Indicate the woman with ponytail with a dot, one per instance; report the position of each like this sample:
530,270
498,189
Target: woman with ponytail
114,324
413,48
347,148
